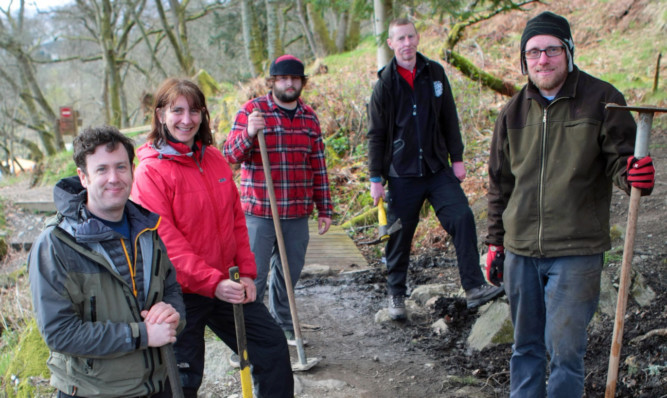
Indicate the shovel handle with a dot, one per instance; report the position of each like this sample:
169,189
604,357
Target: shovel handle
641,150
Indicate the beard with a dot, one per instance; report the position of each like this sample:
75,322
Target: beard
551,82
284,96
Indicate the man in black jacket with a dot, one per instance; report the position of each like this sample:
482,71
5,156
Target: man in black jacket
413,135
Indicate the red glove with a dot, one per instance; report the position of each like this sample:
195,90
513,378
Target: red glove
641,174
495,259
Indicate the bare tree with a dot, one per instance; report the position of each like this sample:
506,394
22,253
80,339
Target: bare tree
36,113
275,46
382,12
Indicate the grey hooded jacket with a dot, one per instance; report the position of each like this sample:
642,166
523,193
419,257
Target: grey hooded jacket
87,311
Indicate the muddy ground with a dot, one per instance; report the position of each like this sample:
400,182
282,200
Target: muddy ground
361,358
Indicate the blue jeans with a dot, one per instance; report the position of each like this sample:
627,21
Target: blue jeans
406,198
552,300
264,246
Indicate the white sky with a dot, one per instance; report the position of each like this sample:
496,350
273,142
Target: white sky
32,5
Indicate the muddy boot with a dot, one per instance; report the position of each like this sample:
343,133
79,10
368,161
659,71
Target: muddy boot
397,310
485,293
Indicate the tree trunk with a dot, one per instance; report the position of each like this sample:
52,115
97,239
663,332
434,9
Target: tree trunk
109,55
246,24
320,33
341,30
382,11
274,42
177,35
306,30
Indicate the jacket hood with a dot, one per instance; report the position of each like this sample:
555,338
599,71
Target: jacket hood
172,151
69,196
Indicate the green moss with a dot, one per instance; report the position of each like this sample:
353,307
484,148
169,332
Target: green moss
3,247
207,83
27,370
505,335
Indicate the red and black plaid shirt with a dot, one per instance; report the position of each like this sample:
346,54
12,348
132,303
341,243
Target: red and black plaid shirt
296,153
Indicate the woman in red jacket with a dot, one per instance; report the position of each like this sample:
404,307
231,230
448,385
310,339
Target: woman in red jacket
185,179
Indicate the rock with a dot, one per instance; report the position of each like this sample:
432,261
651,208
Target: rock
423,293
616,233
382,316
430,303
316,270
493,326
416,313
641,291
440,327
608,295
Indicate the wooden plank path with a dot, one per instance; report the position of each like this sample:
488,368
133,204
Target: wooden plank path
334,250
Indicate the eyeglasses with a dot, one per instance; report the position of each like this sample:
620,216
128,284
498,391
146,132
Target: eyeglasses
549,51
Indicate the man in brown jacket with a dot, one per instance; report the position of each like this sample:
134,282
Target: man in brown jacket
556,151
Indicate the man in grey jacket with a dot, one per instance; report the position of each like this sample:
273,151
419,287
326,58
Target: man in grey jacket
556,151
104,292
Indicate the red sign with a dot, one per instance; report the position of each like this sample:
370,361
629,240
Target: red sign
67,120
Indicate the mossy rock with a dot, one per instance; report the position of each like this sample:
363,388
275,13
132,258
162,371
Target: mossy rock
3,247
27,374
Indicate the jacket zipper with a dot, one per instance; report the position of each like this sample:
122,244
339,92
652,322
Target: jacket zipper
540,208
542,184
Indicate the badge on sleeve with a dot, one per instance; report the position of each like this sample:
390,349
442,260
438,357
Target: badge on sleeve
437,86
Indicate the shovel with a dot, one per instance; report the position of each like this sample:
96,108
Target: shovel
304,363
641,150
384,231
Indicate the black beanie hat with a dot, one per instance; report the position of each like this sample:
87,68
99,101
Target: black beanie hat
548,23
286,65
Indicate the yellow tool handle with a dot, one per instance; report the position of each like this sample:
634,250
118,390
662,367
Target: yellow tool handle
382,213
246,381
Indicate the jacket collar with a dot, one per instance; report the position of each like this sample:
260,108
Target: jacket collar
389,71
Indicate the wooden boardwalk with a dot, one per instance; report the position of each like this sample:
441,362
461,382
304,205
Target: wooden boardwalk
334,249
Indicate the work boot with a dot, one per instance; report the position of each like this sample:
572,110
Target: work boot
483,294
397,310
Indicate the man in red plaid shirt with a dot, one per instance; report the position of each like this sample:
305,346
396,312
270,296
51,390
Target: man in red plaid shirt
298,169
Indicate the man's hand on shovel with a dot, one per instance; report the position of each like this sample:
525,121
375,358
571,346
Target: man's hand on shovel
255,122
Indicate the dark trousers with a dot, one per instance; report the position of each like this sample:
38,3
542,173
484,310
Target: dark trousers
406,198
267,347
